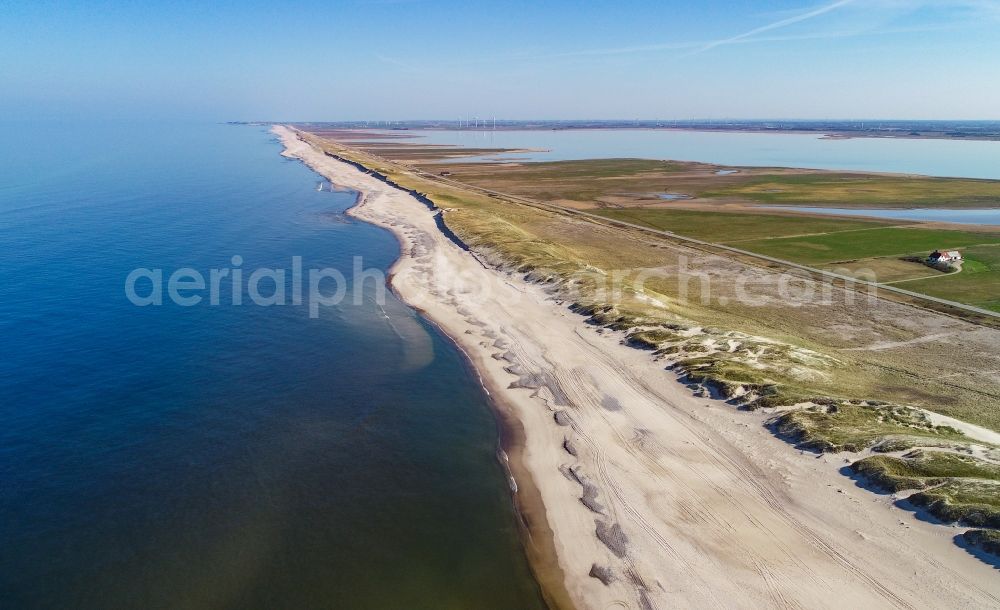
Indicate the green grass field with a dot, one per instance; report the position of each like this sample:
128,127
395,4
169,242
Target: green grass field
731,227
586,181
886,269
871,250
862,190
977,284
586,170
854,245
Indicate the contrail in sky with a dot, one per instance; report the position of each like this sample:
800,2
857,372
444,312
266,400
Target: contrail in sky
773,26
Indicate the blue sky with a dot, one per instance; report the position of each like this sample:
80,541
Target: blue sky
398,59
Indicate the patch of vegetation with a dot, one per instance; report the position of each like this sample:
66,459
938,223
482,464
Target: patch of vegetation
583,180
584,169
748,371
972,503
853,245
888,269
415,152
610,316
591,179
895,444
830,243
740,382
984,540
653,339
729,227
863,190
521,250
977,284
847,426
921,469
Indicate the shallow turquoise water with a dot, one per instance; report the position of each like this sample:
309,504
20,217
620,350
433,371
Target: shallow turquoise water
963,159
225,456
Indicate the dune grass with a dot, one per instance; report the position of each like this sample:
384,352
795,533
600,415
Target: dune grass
952,487
964,501
921,469
845,426
984,540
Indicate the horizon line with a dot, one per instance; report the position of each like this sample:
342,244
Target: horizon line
622,120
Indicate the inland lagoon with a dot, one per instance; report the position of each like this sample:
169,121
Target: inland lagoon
946,158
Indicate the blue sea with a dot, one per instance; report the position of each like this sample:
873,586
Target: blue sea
225,456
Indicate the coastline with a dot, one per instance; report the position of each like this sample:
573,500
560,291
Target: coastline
682,501
537,536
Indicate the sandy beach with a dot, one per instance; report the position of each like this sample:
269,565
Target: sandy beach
635,492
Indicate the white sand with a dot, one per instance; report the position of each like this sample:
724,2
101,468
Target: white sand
713,510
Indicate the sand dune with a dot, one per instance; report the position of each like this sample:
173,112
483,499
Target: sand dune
652,497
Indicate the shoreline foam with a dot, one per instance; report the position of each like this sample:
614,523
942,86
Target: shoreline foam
680,499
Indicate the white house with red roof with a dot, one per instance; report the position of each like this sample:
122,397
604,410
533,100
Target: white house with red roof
948,256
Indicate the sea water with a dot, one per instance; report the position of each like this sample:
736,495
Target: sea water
225,455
